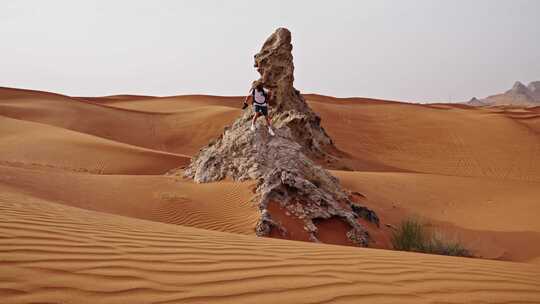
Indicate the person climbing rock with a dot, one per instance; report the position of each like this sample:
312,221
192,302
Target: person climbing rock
260,97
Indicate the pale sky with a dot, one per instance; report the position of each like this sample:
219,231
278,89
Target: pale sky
403,50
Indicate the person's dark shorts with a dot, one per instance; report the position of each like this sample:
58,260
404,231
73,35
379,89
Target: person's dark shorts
261,109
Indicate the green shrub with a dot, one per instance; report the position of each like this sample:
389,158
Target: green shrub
438,245
412,235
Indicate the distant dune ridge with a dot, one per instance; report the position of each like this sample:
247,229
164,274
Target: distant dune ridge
518,95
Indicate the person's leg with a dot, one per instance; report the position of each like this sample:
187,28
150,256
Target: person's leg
257,114
268,122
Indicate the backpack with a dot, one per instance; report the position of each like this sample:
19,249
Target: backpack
264,94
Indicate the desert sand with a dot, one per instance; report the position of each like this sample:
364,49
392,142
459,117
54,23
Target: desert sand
88,214
51,252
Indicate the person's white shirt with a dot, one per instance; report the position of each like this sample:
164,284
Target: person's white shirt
260,100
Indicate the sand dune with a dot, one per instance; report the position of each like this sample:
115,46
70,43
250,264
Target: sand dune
224,206
35,145
472,173
182,132
493,218
377,135
448,140
61,254
114,98
174,104
452,199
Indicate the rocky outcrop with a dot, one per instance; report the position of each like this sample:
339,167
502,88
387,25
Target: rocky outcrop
534,88
518,95
284,165
275,65
476,102
518,89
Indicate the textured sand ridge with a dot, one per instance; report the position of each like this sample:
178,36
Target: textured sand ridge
224,206
59,254
442,139
35,145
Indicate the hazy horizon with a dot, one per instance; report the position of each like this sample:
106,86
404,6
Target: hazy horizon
416,51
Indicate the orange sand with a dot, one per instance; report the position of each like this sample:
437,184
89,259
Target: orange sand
471,173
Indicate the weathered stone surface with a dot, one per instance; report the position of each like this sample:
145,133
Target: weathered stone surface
534,88
476,102
282,164
518,88
275,64
238,152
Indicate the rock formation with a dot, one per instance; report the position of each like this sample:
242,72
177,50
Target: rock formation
476,102
534,88
275,64
518,95
284,165
518,89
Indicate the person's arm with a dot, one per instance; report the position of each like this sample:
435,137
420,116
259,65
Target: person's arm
247,99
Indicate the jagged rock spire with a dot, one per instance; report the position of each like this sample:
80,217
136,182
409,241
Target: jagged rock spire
519,88
283,164
274,62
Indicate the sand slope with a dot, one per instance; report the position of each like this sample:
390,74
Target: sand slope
57,254
483,165
29,144
493,218
182,132
224,206
472,173
171,104
441,139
